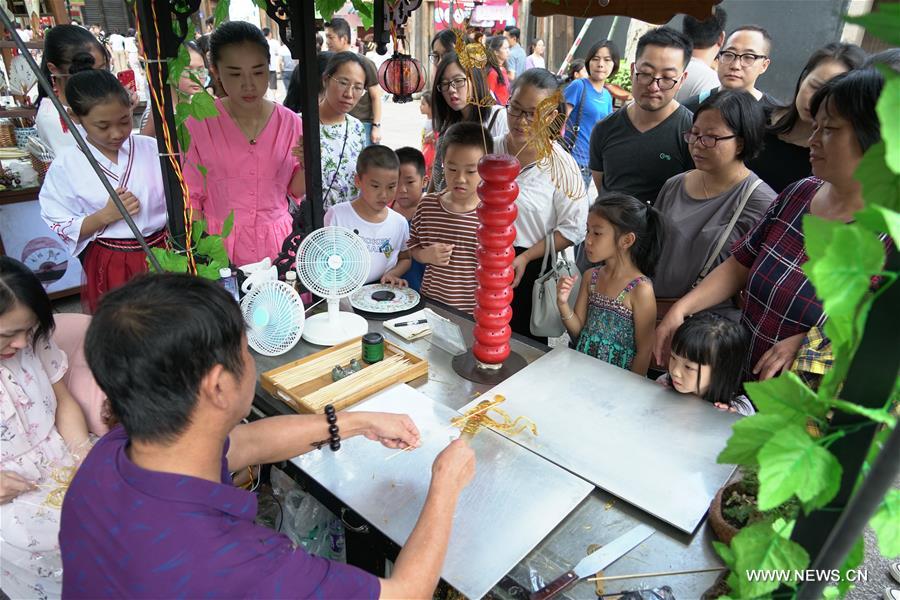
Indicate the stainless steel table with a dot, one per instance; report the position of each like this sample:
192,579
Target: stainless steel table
597,520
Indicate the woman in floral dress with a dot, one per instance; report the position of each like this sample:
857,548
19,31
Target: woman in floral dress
43,434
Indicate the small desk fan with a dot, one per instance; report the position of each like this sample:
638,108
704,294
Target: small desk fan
333,262
274,315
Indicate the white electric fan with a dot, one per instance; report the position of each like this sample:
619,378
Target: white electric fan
274,315
333,262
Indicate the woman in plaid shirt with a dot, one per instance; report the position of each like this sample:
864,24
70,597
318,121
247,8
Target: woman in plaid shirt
781,305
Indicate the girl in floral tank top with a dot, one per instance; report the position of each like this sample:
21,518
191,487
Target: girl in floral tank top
615,316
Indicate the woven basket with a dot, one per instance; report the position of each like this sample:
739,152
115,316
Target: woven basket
40,166
7,135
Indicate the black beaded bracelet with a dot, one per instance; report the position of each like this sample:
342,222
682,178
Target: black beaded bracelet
334,442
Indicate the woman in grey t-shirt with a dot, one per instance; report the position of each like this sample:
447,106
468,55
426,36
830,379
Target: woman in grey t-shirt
699,205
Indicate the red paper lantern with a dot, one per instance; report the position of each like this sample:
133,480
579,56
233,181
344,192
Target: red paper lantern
402,75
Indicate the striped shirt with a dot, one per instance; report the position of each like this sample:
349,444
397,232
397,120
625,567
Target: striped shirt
454,284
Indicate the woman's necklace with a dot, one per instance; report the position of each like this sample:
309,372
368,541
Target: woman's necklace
729,185
251,128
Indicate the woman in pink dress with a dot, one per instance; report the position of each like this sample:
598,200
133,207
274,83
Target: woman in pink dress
245,159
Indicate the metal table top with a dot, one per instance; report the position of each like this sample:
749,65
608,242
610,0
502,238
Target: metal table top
654,440
598,519
515,499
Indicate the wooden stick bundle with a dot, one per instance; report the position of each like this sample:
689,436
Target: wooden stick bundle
316,368
359,381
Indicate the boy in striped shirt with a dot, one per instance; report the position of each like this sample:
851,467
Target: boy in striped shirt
443,230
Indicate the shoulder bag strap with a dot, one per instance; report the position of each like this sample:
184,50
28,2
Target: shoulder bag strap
490,124
577,126
727,231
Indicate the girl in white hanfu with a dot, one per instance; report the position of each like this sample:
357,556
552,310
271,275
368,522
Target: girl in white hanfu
76,205
43,436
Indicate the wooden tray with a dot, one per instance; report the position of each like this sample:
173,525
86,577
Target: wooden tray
305,392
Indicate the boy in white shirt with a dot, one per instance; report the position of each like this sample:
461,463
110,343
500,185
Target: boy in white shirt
384,231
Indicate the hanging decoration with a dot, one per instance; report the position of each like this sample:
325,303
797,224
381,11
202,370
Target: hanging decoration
402,75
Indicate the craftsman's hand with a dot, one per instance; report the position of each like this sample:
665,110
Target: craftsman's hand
779,357
394,280
111,214
437,254
519,265
391,430
454,466
664,332
297,151
13,485
564,290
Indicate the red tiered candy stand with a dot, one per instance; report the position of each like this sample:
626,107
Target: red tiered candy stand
490,359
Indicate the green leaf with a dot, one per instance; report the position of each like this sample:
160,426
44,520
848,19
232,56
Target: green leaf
212,247
750,434
790,464
788,396
887,107
170,261
261,4
879,219
210,271
178,64
725,553
198,228
203,106
221,13
817,233
851,563
885,523
879,415
183,112
365,12
843,275
880,185
327,8
831,593
228,225
762,547
203,170
883,24
184,137
827,493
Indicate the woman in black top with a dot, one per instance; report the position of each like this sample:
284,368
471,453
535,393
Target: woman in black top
785,157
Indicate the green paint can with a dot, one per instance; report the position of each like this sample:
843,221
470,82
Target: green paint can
372,348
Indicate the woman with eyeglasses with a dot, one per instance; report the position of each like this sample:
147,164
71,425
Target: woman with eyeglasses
544,207
61,45
457,97
442,43
781,309
342,135
785,157
193,79
245,159
710,207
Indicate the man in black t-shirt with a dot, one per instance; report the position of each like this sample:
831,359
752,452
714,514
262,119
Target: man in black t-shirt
368,109
742,61
636,149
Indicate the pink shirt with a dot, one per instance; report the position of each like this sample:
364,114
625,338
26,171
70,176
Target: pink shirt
251,179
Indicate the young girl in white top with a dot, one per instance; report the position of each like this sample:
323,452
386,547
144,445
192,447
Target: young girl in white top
707,359
74,202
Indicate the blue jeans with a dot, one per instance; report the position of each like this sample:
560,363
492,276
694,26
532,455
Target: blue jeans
286,78
587,176
368,134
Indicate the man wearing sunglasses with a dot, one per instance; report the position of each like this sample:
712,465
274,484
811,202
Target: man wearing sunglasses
741,62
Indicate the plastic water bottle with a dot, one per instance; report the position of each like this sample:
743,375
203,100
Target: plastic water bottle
229,281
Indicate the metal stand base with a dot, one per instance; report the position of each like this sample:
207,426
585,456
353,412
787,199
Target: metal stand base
466,366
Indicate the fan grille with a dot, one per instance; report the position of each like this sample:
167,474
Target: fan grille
333,262
274,316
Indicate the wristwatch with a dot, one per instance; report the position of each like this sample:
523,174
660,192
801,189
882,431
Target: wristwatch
376,125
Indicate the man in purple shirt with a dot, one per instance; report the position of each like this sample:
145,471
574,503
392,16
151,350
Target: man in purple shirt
152,513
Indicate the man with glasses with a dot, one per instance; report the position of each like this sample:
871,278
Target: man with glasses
742,60
636,149
368,109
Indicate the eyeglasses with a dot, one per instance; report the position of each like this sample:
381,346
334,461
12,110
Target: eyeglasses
200,73
727,57
434,57
357,90
518,113
663,83
707,141
456,84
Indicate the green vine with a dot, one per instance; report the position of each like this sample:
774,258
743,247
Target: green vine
782,440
